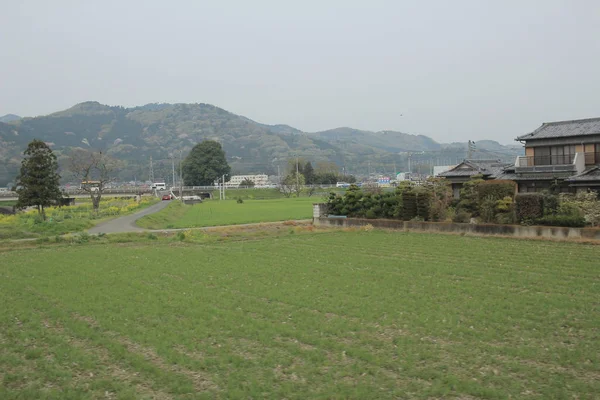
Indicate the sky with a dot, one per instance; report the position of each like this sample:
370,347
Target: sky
452,70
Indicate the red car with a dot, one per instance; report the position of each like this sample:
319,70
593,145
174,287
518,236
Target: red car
167,197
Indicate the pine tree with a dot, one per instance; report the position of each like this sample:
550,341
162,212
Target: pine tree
38,181
309,173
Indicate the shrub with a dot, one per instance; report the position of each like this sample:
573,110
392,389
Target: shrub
409,205
180,235
152,236
462,216
551,204
529,206
582,204
487,209
496,189
423,205
370,214
561,220
469,195
239,200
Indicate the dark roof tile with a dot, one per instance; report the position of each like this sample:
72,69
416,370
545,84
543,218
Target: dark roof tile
580,127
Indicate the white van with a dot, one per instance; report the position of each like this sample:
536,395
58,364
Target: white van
159,186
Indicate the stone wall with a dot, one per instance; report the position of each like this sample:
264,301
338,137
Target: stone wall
517,231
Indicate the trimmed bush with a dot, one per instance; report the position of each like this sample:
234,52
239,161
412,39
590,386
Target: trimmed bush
529,206
571,221
496,189
423,203
551,204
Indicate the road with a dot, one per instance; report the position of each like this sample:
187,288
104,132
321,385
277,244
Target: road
127,223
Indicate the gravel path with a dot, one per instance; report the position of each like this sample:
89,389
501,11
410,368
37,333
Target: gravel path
127,223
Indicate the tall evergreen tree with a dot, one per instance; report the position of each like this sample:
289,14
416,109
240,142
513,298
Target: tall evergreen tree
38,181
309,173
205,164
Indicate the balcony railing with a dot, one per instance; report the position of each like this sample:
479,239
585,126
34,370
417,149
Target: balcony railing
534,161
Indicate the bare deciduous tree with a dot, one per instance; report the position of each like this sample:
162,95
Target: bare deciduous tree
95,170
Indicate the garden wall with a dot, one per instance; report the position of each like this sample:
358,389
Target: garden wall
518,231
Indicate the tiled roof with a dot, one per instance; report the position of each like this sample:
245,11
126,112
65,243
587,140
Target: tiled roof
489,168
590,174
580,127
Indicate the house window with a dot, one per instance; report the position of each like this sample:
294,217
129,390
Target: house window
554,155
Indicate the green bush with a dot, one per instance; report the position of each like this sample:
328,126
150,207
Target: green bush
529,206
462,216
409,205
423,204
152,236
551,204
239,200
561,220
370,214
496,189
180,235
487,209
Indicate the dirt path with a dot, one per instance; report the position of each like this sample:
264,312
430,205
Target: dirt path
127,223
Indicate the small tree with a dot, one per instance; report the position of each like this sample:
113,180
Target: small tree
89,166
247,182
290,184
38,181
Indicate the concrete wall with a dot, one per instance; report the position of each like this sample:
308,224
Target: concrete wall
517,231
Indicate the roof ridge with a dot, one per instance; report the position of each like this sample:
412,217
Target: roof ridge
571,121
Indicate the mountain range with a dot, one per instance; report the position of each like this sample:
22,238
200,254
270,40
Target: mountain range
164,132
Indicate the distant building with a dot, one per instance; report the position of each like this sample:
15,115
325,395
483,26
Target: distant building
236,180
438,169
488,169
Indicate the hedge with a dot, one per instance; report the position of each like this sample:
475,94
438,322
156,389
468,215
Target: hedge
498,189
561,220
529,206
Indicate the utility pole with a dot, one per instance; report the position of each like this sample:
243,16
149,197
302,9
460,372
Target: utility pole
173,167
180,176
297,178
409,159
470,149
151,171
278,175
223,187
395,171
369,169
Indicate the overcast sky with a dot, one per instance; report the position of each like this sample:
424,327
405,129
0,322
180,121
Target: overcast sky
452,70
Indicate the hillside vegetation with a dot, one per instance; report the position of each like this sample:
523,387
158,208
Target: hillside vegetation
164,131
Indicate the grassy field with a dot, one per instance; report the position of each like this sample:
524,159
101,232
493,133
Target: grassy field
229,212
342,314
61,220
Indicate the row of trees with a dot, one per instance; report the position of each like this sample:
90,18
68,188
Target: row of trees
38,181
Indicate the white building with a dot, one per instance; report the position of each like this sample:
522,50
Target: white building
259,180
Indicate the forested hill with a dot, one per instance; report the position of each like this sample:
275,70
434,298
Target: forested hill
162,131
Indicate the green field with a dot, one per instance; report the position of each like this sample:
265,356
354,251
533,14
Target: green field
297,315
229,212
